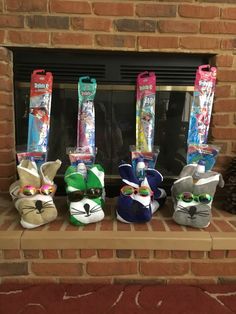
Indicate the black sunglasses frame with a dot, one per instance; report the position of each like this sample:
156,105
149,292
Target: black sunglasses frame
78,195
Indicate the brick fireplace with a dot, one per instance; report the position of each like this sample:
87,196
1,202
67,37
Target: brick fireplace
191,27
202,27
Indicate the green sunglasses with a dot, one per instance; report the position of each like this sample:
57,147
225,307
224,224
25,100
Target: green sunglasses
128,190
189,197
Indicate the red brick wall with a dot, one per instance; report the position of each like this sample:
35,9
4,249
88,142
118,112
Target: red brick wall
121,266
7,141
186,26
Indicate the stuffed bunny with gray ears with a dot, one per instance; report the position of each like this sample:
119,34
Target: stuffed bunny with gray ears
192,195
33,193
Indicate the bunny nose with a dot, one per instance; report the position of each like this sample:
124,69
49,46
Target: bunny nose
86,208
39,205
192,210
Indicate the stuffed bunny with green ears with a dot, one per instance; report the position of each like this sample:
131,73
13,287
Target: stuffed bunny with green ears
85,194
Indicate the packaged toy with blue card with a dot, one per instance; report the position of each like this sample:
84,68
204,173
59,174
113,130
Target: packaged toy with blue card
84,178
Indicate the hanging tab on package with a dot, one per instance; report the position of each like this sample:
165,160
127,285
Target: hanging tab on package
145,111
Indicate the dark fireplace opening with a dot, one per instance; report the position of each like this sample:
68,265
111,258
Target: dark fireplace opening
115,104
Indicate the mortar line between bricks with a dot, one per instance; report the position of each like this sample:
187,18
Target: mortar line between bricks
210,235
22,233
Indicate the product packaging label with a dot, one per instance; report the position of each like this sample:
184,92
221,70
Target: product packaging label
86,113
145,111
40,108
200,115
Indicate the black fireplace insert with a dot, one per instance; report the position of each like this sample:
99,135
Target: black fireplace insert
115,103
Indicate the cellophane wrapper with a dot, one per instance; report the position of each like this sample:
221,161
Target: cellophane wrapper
39,111
200,115
145,111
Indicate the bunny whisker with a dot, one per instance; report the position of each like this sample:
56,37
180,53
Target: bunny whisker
182,209
50,203
202,214
95,209
28,207
30,211
75,211
183,212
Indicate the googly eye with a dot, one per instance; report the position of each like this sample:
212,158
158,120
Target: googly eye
204,198
46,189
29,190
94,193
186,197
144,191
75,196
127,190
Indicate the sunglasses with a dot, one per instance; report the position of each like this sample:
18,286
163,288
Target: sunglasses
128,190
189,197
30,190
78,195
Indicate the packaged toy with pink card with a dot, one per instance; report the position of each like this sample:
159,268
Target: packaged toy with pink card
145,110
200,116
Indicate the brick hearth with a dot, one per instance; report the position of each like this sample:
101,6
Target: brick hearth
109,251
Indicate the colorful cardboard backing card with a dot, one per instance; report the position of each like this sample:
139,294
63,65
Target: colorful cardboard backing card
86,113
203,95
40,107
145,111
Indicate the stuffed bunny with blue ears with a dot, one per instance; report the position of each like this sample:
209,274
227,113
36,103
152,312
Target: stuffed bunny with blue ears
138,200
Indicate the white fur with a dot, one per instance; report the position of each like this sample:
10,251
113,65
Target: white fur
78,211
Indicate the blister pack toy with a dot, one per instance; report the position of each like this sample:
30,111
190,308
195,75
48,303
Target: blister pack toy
39,113
145,111
149,158
203,152
203,95
81,154
38,157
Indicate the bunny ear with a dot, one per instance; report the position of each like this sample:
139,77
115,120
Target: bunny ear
28,173
48,171
154,177
207,185
188,170
182,185
95,177
127,175
221,181
74,179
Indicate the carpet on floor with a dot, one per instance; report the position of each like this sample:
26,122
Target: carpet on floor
117,299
